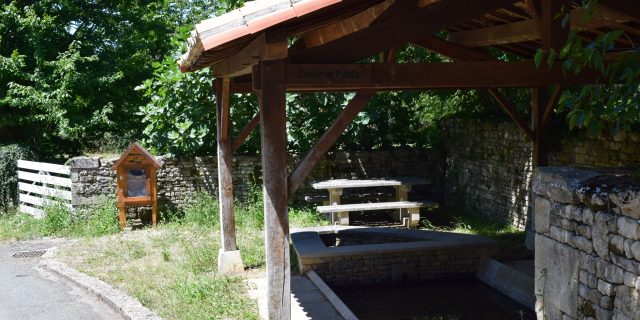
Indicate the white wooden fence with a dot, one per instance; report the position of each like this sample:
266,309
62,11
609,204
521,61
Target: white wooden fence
41,184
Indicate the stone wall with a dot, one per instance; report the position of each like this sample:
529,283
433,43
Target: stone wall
488,164
587,250
179,179
484,166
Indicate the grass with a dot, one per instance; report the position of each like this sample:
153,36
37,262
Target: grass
511,239
172,269
59,221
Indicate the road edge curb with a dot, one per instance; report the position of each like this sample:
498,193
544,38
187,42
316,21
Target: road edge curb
126,306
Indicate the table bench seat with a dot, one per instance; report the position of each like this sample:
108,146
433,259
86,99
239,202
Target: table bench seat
377,206
350,196
360,183
413,208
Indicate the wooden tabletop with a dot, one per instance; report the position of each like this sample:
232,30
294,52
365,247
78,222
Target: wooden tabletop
359,183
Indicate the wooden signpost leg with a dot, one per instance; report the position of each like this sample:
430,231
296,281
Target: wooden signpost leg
229,259
122,217
274,169
154,214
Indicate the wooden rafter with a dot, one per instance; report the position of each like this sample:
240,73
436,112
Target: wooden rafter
533,7
461,53
403,22
452,50
628,8
529,30
345,27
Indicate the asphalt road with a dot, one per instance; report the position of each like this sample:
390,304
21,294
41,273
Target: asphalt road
30,292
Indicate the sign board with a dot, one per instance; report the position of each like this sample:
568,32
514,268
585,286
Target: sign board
137,181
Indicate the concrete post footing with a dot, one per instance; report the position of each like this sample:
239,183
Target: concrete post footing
230,262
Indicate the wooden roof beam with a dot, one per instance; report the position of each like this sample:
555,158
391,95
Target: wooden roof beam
395,77
270,45
528,30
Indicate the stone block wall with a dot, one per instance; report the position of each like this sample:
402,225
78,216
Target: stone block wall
416,265
587,244
488,169
488,164
180,178
389,255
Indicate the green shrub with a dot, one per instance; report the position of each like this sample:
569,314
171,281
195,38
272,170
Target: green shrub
9,156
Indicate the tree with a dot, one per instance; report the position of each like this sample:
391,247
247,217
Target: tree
68,69
611,105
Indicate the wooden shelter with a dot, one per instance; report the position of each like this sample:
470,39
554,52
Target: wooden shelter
272,47
136,180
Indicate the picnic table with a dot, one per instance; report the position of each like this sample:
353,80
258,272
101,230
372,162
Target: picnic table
409,211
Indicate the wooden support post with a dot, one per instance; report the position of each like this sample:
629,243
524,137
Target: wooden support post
551,104
229,261
402,194
274,169
339,218
554,37
539,100
122,216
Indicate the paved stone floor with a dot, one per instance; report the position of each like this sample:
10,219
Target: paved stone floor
307,302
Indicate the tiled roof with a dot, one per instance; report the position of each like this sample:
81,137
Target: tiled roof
253,17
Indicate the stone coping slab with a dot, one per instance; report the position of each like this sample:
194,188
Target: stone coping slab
308,244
